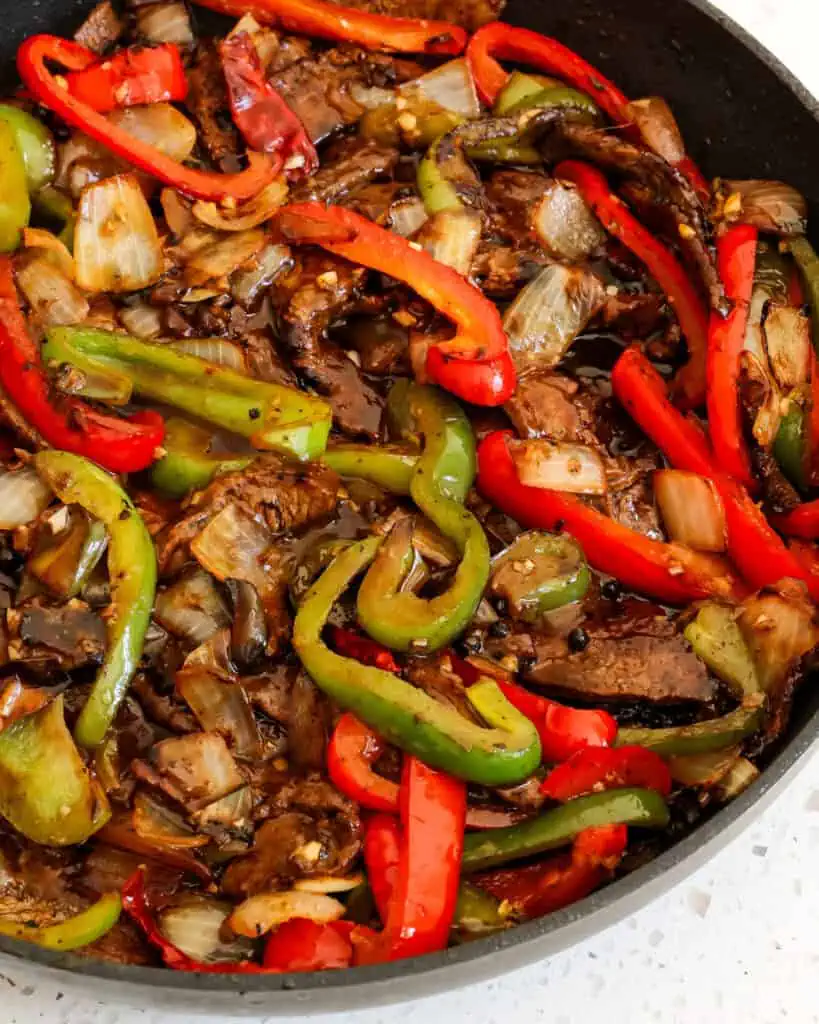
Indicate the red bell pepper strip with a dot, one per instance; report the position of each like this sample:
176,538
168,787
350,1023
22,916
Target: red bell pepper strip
661,264
266,122
121,445
521,45
363,649
558,882
304,945
475,364
382,854
736,262
598,768
755,548
350,754
803,521
45,87
422,903
668,572
348,25
131,77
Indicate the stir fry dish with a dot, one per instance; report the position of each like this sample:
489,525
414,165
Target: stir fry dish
410,484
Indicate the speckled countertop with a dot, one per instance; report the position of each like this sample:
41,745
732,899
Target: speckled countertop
736,942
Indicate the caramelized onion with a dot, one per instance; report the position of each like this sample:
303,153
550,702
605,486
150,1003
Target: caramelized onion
573,468
691,509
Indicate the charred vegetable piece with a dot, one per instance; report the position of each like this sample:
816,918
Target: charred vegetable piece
808,262
132,568
539,572
506,752
35,143
701,737
558,827
717,639
73,933
187,464
439,483
46,791
790,446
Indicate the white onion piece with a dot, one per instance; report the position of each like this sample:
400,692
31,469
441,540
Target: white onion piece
370,97
267,910
157,823
53,298
691,509
177,209
141,320
572,468
328,883
247,282
192,608
116,245
407,215
549,313
194,926
81,161
452,237
658,127
213,350
221,706
779,627
767,205
564,223
211,262
54,248
232,546
159,125
23,496
199,765
255,211
450,86
787,333
165,23
231,811
769,414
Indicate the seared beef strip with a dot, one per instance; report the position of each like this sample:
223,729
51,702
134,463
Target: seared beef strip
208,103
348,166
101,29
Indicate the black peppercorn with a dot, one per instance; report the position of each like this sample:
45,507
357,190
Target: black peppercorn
578,640
611,590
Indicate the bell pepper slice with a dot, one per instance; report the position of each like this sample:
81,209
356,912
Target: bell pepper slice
351,752
121,445
266,122
442,476
475,364
506,752
757,550
661,264
522,45
132,569
790,447
349,25
668,572
421,906
367,651
701,737
390,468
558,827
15,205
382,854
304,945
187,464
35,143
136,76
598,768
32,64
80,930
803,521
736,262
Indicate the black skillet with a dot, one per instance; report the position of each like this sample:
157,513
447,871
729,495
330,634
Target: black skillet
743,116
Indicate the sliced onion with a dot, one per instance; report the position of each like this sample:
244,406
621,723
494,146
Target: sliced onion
565,224
200,765
116,245
56,249
195,926
249,215
232,811
23,496
165,23
214,654
247,282
755,376
222,707
371,97
213,350
452,237
691,509
328,883
778,627
658,127
787,333
119,832
155,822
549,313
267,910
703,769
192,608
227,254
177,210
573,468
407,215
53,297
738,778
141,320
767,205
82,161
232,547
450,86
159,125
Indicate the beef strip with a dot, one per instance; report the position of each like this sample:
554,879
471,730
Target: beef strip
306,725
163,708
469,13
65,637
320,289
101,29
13,420
549,404
208,103
286,495
264,361
346,167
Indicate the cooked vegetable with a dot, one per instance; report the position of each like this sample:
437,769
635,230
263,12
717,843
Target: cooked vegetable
691,509
572,468
15,205
73,933
539,572
718,640
35,143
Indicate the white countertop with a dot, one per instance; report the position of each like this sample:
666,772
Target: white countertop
737,942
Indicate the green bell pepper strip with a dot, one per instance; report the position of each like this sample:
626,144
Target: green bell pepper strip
539,572
35,143
559,826
388,467
519,86
571,100
15,205
790,445
46,791
717,639
507,752
270,415
439,484
701,737
187,464
56,206
74,933
478,912
132,569
807,261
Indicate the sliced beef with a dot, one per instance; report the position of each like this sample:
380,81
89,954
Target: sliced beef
306,725
163,708
101,29
549,404
13,420
346,167
469,13
207,101
633,315
381,342
65,637
265,362
437,680
287,496
638,654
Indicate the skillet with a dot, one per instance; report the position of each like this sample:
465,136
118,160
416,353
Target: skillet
743,114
